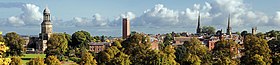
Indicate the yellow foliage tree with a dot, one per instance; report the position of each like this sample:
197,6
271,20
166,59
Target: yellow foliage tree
3,49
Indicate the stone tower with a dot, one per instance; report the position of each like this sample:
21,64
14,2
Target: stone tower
228,26
254,30
126,28
46,30
198,29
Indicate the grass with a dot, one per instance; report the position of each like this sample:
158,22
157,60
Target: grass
27,57
34,56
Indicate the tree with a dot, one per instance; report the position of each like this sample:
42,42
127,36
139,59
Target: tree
14,41
36,61
52,60
225,51
169,58
16,61
121,59
244,33
208,29
168,40
192,49
255,47
57,44
88,59
81,39
190,59
3,49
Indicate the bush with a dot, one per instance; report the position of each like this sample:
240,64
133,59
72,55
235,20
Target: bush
75,59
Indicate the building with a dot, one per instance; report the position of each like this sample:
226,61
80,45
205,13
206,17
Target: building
98,46
46,30
228,26
254,30
181,40
198,29
126,28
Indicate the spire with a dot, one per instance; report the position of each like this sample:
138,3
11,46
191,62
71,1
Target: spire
198,30
228,26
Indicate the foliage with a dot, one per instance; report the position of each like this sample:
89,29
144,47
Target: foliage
191,50
81,39
87,59
168,40
3,49
52,60
16,61
57,44
14,41
226,52
208,29
256,48
36,61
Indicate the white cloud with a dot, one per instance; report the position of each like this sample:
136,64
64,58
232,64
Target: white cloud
30,16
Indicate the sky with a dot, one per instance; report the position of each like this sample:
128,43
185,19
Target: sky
103,17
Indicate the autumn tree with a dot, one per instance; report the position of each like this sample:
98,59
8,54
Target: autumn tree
16,61
256,51
52,60
36,61
3,49
15,42
88,59
57,45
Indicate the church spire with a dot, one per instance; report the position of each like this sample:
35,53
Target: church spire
198,30
228,26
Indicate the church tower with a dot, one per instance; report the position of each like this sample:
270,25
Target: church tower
228,26
46,25
46,30
198,29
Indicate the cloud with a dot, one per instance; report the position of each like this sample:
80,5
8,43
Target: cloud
96,20
30,14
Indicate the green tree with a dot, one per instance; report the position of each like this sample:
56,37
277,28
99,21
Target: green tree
276,59
52,60
36,61
81,39
226,52
14,41
57,45
193,48
88,59
121,59
208,29
16,61
256,48
190,59
168,40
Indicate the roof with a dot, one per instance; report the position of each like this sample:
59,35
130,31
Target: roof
98,43
182,38
47,10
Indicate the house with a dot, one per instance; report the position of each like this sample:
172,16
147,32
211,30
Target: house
98,46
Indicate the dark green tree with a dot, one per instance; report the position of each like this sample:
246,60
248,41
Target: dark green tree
208,29
15,42
81,39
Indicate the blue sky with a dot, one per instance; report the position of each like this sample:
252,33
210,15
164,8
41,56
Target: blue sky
102,17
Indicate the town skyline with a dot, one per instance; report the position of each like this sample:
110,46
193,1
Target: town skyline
158,17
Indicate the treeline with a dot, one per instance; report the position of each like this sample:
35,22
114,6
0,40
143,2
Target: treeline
135,50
